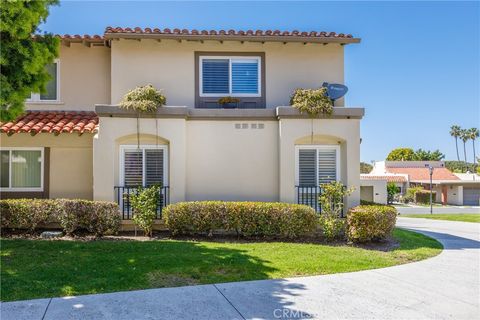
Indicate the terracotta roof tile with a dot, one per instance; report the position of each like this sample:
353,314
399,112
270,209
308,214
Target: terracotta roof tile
56,122
422,174
110,30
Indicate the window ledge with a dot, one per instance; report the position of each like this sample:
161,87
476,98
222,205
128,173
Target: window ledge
45,102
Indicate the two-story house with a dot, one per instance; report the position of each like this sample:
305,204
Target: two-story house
74,141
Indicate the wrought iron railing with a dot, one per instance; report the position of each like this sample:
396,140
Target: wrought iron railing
122,196
308,195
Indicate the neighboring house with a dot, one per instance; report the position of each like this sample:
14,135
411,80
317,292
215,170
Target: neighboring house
74,142
373,188
456,189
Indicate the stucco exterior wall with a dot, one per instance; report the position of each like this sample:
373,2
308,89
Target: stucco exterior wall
84,79
70,170
379,190
226,163
169,65
215,160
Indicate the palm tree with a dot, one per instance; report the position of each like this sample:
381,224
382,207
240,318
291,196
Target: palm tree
473,134
455,132
465,136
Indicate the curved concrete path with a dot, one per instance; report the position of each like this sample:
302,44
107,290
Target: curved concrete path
443,287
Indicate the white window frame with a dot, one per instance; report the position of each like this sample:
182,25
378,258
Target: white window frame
230,58
143,148
35,97
316,147
42,164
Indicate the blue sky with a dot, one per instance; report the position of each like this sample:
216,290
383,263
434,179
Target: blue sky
416,71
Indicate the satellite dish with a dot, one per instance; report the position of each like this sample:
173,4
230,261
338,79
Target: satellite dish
334,90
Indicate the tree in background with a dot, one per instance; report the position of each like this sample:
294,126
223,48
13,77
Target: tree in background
365,167
455,132
401,154
23,57
473,135
464,136
427,155
392,190
460,166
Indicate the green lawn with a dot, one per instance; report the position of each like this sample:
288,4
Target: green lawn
466,217
41,268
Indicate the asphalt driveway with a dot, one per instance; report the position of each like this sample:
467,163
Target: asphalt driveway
443,287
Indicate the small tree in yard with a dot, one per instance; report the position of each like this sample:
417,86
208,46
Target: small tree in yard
23,56
392,190
331,202
144,204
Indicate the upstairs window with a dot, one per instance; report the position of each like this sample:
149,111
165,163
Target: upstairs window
52,86
230,76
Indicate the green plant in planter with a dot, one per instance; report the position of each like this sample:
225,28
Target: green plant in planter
144,205
312,101
227,100
331,201
143,99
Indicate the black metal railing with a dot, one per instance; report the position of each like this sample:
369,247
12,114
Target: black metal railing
122,196
308,195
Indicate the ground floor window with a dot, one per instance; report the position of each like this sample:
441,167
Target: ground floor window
21,169
143,166
315,164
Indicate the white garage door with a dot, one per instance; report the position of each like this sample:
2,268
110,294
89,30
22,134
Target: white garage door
471,196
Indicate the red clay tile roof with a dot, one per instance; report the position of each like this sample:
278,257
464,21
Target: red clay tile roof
55,122
389,178
264,35
422,174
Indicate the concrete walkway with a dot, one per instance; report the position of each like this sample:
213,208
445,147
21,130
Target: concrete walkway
444,287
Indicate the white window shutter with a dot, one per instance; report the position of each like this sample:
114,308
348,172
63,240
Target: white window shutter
327,165
307,167
154,167
133,168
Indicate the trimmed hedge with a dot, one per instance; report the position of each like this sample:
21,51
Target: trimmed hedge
250,219
423,196
370,222
97,217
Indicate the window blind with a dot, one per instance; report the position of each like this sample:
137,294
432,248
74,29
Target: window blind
215,76
307,167
245,76
327,165
153,167
133,168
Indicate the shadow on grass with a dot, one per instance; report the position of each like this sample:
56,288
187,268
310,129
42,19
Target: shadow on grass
38,269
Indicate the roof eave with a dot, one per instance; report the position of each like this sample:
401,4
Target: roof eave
190,37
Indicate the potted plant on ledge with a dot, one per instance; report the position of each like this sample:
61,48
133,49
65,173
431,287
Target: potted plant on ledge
228,102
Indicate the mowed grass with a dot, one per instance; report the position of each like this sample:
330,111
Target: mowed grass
465,217
42,268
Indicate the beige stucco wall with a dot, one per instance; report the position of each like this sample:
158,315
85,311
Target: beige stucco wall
84,79
213,160
225,163
342,132
169,65
71,173
454,194
379,188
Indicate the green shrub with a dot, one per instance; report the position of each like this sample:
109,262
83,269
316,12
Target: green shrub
371,222
392,190
28,214
143,99
312,101
410,194
250,219
144,205
97,217
423,196
331,201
